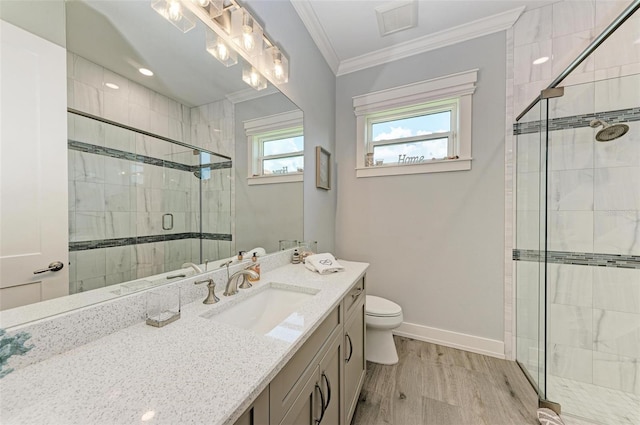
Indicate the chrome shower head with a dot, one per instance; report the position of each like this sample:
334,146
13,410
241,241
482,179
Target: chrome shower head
608,132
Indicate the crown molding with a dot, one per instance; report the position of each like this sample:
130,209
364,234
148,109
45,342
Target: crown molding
474,29
250,94
314,27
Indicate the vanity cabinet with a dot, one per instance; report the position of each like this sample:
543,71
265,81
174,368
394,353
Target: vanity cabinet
319,401
355,364
321,383
258,412
291,382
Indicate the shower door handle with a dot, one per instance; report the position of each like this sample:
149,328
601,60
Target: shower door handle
170,225
53,267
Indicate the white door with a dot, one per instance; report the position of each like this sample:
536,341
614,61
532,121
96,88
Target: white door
33,168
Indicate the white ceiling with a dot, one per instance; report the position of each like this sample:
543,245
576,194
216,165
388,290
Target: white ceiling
125,35
346,31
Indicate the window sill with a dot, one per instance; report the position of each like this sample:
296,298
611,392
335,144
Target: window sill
285,178
437,166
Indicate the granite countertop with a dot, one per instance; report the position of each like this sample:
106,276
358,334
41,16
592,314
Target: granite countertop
195,370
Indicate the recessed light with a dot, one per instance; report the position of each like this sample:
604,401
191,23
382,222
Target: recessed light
112,86
541,60
145,71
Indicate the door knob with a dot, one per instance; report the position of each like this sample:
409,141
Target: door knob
53,267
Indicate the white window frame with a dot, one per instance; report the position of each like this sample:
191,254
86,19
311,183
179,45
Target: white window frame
422,96
269,128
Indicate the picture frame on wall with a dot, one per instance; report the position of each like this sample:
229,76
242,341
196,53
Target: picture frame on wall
323,168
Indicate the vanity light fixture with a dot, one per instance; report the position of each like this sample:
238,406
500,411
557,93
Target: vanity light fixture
541,60
251,76
220,50
246,32
174,12
145,72
112,86
233,32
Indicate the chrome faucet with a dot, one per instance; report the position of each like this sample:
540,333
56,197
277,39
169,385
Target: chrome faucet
196,268
232,283
211,298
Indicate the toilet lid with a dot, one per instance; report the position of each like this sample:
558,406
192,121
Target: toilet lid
381,307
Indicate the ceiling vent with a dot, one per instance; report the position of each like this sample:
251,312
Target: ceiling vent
397,16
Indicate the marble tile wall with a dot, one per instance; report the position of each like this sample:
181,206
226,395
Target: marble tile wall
213,128
593,198
114,197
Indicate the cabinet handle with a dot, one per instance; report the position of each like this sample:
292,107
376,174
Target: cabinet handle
321,404
357,293
350,348
326,379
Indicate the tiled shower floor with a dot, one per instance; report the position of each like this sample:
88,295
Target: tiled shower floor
594,403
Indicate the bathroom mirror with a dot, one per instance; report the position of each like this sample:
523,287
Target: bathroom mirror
189,198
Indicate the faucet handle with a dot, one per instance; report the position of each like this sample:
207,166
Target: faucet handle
245,282
211,298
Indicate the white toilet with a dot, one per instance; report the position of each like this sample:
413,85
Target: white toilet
382,316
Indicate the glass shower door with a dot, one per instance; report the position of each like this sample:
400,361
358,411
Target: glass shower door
531,182
593,271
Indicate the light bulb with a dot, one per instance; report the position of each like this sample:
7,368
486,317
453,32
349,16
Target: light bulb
255,79
277,69
203,3
223,52
174,11
247,39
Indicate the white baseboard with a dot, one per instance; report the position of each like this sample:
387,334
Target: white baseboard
475,344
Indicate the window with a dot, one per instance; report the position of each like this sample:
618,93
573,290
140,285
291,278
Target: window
276,148
419,128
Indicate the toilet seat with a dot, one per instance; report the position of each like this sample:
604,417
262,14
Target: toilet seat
380,307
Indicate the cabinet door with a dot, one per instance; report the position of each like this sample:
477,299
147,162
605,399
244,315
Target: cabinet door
307,408
258,412
354,360
331,374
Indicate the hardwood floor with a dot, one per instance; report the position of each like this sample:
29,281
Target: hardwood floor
437,385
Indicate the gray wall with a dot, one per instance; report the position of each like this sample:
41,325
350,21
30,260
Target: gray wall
435,241
269,212
311,86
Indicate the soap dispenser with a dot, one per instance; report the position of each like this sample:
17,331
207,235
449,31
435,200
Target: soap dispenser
255,266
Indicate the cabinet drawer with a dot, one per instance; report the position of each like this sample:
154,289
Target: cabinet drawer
287,384
353,297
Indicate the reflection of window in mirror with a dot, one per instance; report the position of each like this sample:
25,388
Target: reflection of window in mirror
276,148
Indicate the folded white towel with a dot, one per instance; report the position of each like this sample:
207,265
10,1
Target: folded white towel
323,263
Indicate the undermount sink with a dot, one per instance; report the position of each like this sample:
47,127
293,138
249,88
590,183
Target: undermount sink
269,311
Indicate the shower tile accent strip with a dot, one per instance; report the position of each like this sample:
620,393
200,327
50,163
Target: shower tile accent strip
129,156
579,258
109,243
578,121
